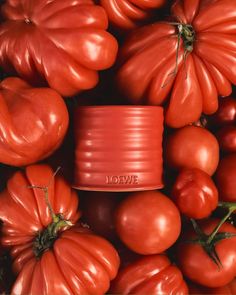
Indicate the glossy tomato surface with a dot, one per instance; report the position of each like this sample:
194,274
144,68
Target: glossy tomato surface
153,275
226,114
61,43
71,260
33,122
127,15
225,178
195,193
199,267
192,147
148,222
149,73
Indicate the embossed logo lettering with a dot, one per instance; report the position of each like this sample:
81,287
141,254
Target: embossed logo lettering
121,179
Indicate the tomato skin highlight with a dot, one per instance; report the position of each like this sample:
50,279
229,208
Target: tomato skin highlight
197,266
147,222
152,275
195,193
192,147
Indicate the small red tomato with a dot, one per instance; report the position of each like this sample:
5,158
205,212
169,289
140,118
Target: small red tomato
195,193
226,114
226,178
192,147
148,222
198,266
227,138
98,211
153,275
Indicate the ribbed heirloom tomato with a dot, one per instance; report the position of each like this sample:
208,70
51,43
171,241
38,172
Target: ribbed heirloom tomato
33,122
51,254
152,275
129,14
195,193
64,43
201,36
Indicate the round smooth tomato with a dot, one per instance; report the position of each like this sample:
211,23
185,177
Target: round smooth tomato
226,178
226,113
198,266
148,222
195,193
192,147
227,138
153,275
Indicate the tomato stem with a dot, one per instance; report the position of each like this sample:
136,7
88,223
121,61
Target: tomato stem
187,34
46,238
232,208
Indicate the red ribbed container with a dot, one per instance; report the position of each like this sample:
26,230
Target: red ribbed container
118,148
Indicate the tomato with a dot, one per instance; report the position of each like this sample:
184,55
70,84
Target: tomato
52,255
127,15
195,193
225,178
33,122
226,114
197,265
98,210
153,274
202,38
227,138
61,43
229,289
192,147
147,222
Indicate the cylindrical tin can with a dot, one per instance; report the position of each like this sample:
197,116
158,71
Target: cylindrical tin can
118,148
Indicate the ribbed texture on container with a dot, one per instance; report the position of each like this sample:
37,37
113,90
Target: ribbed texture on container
118,148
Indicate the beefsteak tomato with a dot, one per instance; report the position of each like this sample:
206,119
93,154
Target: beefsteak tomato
153,275
147,222
33,122
129,14
51,256
195,193
192,57
63,43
